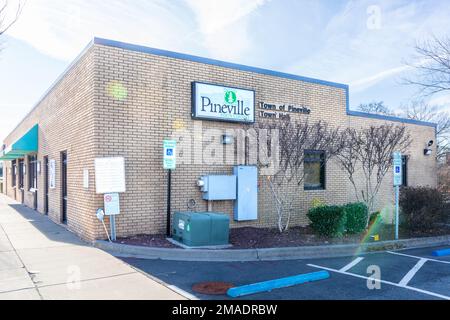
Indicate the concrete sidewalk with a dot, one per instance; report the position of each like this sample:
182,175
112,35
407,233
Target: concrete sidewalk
41,260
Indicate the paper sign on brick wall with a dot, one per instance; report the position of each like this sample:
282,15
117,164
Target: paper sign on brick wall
110,175
52,174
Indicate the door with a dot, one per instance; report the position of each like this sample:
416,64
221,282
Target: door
14,178
45,185
21,180
64,186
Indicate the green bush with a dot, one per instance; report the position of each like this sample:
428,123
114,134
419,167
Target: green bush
356,217
422,208
328,220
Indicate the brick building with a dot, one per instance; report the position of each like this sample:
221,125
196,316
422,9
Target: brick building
123,100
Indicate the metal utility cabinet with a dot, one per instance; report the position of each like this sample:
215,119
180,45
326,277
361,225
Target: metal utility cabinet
219,187
246,204
196,229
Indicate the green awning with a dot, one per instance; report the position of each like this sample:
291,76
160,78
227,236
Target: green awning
29,143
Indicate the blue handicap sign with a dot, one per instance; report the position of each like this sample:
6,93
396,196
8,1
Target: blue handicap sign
169,152
397,169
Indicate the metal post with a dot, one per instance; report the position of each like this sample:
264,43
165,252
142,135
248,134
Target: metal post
112,222
169,192
397,194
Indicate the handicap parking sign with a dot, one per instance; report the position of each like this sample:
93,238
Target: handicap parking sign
170,159
398,174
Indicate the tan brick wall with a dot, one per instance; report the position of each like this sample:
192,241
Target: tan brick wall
159,102
82,116
65,118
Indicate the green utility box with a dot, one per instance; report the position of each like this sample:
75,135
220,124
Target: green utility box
197,229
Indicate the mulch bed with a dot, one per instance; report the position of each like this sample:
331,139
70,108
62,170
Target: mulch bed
253,238
156,241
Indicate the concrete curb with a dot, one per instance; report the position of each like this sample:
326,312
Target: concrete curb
294,253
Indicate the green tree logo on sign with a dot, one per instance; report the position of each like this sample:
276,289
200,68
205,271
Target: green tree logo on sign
230,97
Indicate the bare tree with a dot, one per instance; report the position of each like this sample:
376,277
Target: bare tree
375,108
432,65
9,14
370,150
420,110
293,138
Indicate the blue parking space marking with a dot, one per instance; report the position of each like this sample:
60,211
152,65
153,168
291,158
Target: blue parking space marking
441,253
277,284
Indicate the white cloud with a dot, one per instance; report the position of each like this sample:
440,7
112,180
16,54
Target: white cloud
215,15
222,27
61,28
442,100
364,83
363,57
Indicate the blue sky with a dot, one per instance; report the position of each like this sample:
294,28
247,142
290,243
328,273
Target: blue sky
361,43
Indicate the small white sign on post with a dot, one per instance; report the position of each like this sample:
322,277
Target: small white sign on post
170,158
398,181
112,204
398,174
110,175
52,174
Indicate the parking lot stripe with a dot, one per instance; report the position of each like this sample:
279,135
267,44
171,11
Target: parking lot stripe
410,256
351,264
382,281
407,278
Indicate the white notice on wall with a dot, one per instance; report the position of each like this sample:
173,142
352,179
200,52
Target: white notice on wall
52,174
110,175
86,178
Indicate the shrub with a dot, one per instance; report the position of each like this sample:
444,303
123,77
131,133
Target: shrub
422,208
328,220
356,217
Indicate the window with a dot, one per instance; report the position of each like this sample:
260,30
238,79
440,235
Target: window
405,171
32,176
13,173
1,170
314,170
21,172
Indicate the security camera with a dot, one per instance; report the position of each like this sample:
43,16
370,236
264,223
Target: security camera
430,143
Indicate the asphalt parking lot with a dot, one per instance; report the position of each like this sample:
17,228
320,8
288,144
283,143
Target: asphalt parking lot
404,275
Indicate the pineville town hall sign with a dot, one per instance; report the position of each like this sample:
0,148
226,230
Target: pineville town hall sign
219,103
280,111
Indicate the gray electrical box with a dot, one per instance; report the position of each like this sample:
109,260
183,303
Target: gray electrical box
219,187
246,204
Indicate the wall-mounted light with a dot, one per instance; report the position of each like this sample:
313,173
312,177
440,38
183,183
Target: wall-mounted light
428,151
227,139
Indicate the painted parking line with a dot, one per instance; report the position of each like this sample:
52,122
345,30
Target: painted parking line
417,257
407,278
351,264
382,281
